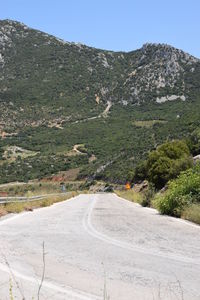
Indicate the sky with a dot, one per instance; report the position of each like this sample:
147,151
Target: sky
119,25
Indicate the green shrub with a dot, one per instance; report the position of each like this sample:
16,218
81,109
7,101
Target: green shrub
181,193
194,142
164,163
167,161
140,171
148,195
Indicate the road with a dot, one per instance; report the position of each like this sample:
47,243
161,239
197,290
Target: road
99,243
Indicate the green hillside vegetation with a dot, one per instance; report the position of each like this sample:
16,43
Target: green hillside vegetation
194,142
114,141
182,197
165,163
54,95
169,179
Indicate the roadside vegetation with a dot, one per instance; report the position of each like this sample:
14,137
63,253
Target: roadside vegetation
169,179
182,197
141,193
164,163
192,213
17,207
37,188
130,195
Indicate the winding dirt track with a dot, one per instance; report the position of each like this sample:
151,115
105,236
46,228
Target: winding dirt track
97,243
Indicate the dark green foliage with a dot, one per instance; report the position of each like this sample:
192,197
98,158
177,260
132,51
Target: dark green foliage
38,167
140,171
194,142
165,163
113,139
148,195
1,153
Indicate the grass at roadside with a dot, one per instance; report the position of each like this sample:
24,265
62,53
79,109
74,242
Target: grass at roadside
37,188
182,196
192,213
17,207
130,195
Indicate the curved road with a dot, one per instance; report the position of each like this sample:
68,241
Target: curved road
99,244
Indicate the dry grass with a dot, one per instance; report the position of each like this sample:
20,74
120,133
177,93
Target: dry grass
17,207
11,153
39,188
30,189
130,195
148,123
2,211
192,213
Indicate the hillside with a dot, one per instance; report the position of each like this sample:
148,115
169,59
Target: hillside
115,106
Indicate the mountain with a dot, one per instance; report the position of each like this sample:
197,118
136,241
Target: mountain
114,106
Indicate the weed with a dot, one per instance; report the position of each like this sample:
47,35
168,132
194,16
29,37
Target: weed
17,207
130,195
192,213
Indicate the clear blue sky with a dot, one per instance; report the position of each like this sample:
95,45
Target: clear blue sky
112,24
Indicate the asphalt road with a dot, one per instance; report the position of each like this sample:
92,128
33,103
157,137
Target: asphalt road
96,244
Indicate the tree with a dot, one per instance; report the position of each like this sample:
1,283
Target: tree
167,161
194,142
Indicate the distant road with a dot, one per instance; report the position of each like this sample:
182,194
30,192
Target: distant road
14,183
100,243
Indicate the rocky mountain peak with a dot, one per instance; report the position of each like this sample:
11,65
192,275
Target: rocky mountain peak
160,71
166,52
10,29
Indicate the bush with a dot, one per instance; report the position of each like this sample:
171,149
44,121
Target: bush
164,163
140,171
181,193
167,161
194,142
148,195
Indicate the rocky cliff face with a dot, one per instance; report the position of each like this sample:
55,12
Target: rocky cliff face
160,70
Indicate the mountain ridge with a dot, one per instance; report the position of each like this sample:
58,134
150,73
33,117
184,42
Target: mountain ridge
23,25
154,68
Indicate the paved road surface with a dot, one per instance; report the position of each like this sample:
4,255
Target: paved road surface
97,243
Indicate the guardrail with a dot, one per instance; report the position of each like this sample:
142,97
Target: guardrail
10,199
